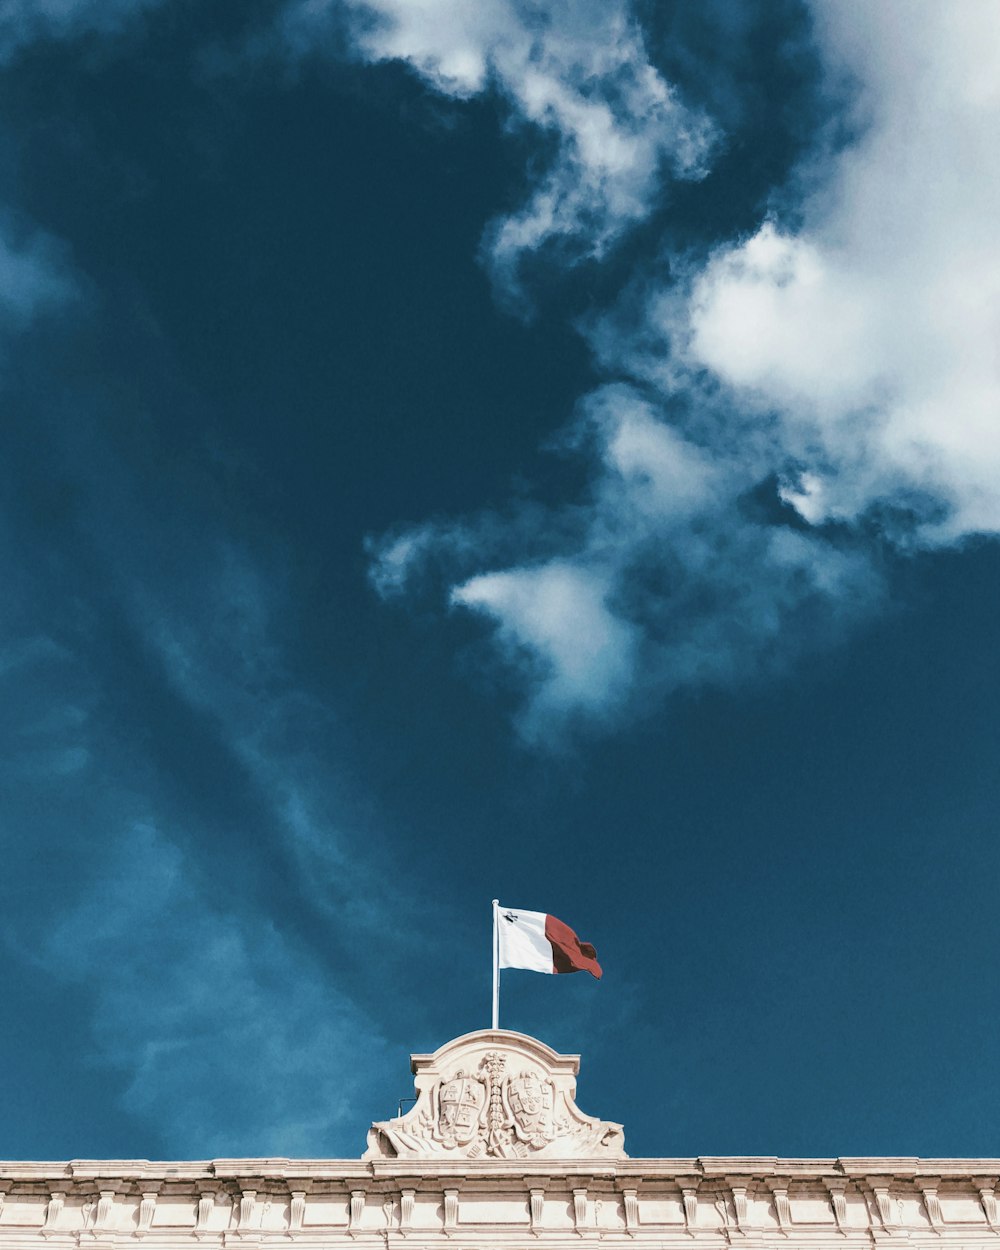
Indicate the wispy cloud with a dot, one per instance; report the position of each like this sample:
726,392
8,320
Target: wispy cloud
239,1018
672,574
555,618
233,1037
23,22
792,400
223,652
236,1027
573,73
35,275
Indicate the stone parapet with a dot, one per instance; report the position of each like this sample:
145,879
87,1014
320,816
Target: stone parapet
753,1202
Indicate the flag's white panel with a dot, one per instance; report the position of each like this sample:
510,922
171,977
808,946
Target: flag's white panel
523,943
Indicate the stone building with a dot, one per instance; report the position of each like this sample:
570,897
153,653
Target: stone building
495,1153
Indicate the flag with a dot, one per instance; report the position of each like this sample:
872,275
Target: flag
541,943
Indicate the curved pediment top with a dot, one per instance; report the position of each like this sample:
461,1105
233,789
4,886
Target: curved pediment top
496,1094
498,1039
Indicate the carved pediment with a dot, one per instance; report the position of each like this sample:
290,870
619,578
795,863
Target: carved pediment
500,1095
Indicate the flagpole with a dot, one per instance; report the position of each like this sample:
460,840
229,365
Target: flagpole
496,966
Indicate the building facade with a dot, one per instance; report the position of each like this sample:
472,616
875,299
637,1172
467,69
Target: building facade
495,1153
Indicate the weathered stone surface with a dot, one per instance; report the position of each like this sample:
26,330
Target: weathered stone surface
491,1202
496,1094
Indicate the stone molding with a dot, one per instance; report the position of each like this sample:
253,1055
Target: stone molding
758,1203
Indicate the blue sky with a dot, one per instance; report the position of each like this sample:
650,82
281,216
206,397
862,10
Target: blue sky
540,450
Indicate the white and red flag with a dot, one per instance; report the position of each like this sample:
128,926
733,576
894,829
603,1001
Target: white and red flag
541,943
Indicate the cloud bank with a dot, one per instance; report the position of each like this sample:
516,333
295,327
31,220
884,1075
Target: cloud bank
873,326
575,75
783,406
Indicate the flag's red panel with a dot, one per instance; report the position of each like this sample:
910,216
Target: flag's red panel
569,954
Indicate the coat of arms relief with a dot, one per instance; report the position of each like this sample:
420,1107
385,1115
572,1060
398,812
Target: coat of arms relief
496,1095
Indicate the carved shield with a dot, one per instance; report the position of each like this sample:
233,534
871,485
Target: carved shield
460,1108
531,1103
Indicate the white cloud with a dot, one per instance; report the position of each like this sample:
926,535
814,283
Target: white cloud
577,70
556,616
666,578
843,361
873,327
650,467
449,44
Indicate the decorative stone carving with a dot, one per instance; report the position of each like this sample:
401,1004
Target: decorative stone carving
147,1208
56,1203
296,1209
451,1210
884,1200
738,1186
782,1206
248,1206
689,1194
105,1210
932,1203
492,1203
630,1206
536,1205
580,1209
496,1094
206,1204
357,1211
407,1198
836,1187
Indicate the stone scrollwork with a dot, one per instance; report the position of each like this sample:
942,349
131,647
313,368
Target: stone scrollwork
203,1213
496,1094
450,1211
53,1211
296,1209
536,1206
782,1205
689,1196
147,1209
104,1218
837,1189
357,1211
630,1207
248,1207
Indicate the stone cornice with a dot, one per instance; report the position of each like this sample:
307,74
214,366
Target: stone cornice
721,1201
705,1166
